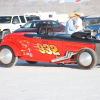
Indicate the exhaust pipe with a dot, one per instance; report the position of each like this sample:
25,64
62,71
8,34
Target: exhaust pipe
68,56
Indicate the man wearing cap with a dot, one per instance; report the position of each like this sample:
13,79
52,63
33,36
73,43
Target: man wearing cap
69,25
78,22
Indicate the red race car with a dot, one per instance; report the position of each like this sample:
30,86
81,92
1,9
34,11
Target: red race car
51,48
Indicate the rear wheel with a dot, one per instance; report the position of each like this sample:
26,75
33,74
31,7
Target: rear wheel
86,58
7,57
31,62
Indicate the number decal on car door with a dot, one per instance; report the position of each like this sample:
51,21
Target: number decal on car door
49,49
41,48
54,50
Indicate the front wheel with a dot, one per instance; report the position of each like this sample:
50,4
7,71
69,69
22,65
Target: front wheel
86,58
7,57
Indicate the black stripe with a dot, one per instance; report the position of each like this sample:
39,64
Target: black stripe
61,37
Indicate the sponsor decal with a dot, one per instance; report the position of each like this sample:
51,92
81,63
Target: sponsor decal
31,55
27,53
44,42
47,49
25,41
23,50
29,50
24,45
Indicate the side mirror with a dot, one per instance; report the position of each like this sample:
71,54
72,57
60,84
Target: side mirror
21,26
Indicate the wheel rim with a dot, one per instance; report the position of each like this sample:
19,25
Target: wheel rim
85,59
5,56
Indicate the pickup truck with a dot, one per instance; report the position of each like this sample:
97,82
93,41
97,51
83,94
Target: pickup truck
9,23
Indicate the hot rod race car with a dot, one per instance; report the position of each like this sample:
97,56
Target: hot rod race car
50,47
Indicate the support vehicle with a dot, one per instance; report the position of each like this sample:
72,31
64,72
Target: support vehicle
9,23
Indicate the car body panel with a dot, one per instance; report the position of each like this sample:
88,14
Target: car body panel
12,45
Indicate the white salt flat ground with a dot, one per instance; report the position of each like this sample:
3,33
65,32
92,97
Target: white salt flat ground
44,81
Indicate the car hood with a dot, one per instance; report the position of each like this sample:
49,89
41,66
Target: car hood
93,27
26,30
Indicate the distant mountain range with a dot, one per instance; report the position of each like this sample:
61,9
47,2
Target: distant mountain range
8,7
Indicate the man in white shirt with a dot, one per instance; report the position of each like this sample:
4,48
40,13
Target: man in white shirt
78,23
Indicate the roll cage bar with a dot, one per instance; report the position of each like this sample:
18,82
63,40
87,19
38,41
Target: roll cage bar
45,28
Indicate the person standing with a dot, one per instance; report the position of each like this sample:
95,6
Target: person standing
78,22
69,25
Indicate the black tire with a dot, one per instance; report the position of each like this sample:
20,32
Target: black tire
86,58
5,33
31,62
7,57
